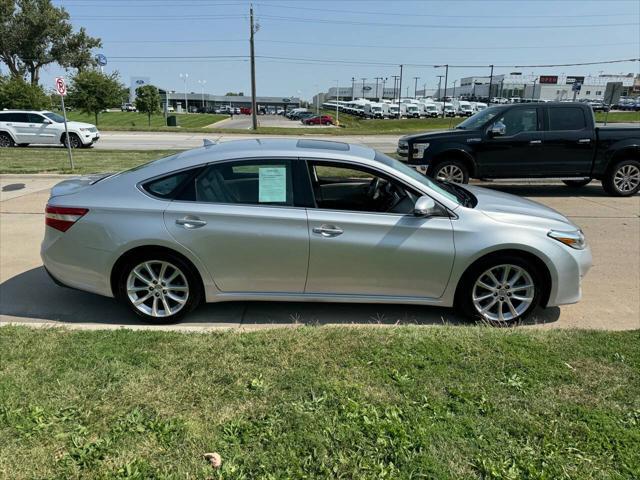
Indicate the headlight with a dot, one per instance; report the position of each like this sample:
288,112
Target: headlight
573,239
419,148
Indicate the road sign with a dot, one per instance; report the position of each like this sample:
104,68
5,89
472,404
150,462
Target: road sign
61,87
576,86
101,60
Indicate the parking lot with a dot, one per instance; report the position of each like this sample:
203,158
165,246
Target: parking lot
611,290
279,121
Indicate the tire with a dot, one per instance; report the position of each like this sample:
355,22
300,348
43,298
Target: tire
450,170
577,183
185,295
622,179
5,140
471,297
74,140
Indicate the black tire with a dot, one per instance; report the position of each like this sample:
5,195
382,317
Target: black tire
190,279
613,184
577,183
448,169
5,140
23,145
74,140
464,303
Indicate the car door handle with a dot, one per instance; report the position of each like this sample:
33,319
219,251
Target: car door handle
584,140
190,222
328,230
32,124
535,142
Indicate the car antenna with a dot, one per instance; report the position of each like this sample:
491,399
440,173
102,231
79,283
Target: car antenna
208,143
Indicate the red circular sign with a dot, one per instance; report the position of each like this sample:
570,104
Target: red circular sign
61,88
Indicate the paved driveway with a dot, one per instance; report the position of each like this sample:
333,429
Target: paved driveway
611,289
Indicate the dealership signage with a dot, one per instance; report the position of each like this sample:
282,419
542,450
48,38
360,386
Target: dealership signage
549,79
366,88
572,80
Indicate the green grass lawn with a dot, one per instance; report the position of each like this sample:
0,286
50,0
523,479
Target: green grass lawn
56,160
139,121
320,402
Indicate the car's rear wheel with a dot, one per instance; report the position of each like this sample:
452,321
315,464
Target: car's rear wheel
451,171
6,140
500,290
159,287
623,179
74,140
577,183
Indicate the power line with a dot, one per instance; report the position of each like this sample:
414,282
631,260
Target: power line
439,26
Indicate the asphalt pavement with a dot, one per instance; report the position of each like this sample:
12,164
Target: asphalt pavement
611,290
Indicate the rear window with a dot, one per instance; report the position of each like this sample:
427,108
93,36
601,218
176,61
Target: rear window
566,118
14,117
167,187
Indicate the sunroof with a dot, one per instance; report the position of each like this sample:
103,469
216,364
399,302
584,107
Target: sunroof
323,145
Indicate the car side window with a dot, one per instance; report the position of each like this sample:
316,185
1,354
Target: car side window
169,186
338,186
35,118
566,118
247,182
518,120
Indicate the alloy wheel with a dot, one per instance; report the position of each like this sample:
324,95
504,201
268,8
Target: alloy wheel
627,178
450,173
5,141
157,288
503,293
73,140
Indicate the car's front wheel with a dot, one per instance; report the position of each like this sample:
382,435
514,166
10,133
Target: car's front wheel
501,290
451,171
160,287
74,140
623,179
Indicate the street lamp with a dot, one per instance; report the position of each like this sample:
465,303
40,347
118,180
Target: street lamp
337,101
415,87
184,77
202,83
363,79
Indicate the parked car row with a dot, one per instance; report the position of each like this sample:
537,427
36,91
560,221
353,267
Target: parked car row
407,108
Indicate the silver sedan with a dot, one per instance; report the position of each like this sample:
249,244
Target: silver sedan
306,220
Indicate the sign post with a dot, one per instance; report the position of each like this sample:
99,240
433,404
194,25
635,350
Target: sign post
61,88
576,87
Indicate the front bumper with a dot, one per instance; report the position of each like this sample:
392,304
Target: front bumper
571,269
89,138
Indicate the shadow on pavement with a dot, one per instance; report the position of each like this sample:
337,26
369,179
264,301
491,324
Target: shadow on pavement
594,189
33,295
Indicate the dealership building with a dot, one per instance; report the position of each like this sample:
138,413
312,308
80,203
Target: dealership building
209,102
539,87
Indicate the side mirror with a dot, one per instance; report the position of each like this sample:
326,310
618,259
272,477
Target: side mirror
425,207
47,122
498,129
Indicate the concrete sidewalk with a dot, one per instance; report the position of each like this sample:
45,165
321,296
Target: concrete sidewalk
611,289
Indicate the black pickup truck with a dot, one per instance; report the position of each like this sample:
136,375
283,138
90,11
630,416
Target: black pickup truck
535,140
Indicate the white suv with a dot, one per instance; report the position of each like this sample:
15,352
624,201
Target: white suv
23,127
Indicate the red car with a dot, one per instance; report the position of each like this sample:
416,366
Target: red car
318,120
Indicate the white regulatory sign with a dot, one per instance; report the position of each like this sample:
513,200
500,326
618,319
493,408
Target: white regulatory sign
61,87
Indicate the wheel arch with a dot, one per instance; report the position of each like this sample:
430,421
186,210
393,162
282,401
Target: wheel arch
135,252
456,154
8,132
539,264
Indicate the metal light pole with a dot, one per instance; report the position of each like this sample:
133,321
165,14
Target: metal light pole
353,88
377,92
185,76
254,29
363,79
415,87
337,101
384,80
490,82
454,89
400,93
439,86
202,83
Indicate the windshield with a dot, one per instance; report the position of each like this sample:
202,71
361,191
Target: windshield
476,121
381,157
54,117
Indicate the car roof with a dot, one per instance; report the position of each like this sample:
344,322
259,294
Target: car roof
25,111
256,148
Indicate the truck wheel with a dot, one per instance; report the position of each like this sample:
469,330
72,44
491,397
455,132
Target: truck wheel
623,179
6,140
451,171
577,183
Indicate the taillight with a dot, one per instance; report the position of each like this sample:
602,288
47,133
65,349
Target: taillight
62,218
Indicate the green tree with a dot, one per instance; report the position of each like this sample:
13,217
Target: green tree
35,33
93,92
18,94
148,100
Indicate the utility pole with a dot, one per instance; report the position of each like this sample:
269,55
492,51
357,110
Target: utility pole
202,83
363,79
377,92
395,85
415,87
490,82
384,80
353,88
185,76
400,93
439,89
337,101
254,113
454,89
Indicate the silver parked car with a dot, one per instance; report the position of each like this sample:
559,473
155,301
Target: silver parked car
293,220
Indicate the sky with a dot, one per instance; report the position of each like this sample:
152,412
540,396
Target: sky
306,46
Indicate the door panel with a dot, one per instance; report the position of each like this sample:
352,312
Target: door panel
569,142
45,133
379,254
246,248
